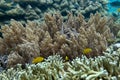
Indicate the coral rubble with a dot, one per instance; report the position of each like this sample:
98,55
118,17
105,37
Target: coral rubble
22,43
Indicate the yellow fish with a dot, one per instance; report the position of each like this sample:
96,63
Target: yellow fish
37,60
66,58
118,10
87,50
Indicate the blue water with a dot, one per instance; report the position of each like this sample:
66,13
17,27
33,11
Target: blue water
111,8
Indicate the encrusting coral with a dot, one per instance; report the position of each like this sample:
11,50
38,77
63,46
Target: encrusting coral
105,67
69,38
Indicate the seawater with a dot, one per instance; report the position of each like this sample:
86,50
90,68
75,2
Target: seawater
111,8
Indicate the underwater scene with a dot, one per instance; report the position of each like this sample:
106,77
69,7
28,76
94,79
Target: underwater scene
59,39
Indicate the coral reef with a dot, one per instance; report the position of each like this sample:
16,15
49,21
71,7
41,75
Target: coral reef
105,67
115,27
23,10
69,46
114,24
9,10
22,43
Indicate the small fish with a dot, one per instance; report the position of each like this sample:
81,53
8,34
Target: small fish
118,10
87,50
37,60
66,58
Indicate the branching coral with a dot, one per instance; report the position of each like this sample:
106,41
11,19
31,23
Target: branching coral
54,36
105,67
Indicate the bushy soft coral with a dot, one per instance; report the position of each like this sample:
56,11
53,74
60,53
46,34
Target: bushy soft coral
67,38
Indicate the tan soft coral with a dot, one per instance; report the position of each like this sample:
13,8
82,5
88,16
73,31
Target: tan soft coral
54,36
19,40
11,36
80,34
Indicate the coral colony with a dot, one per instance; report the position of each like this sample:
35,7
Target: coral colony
23,10
71,38
58,40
